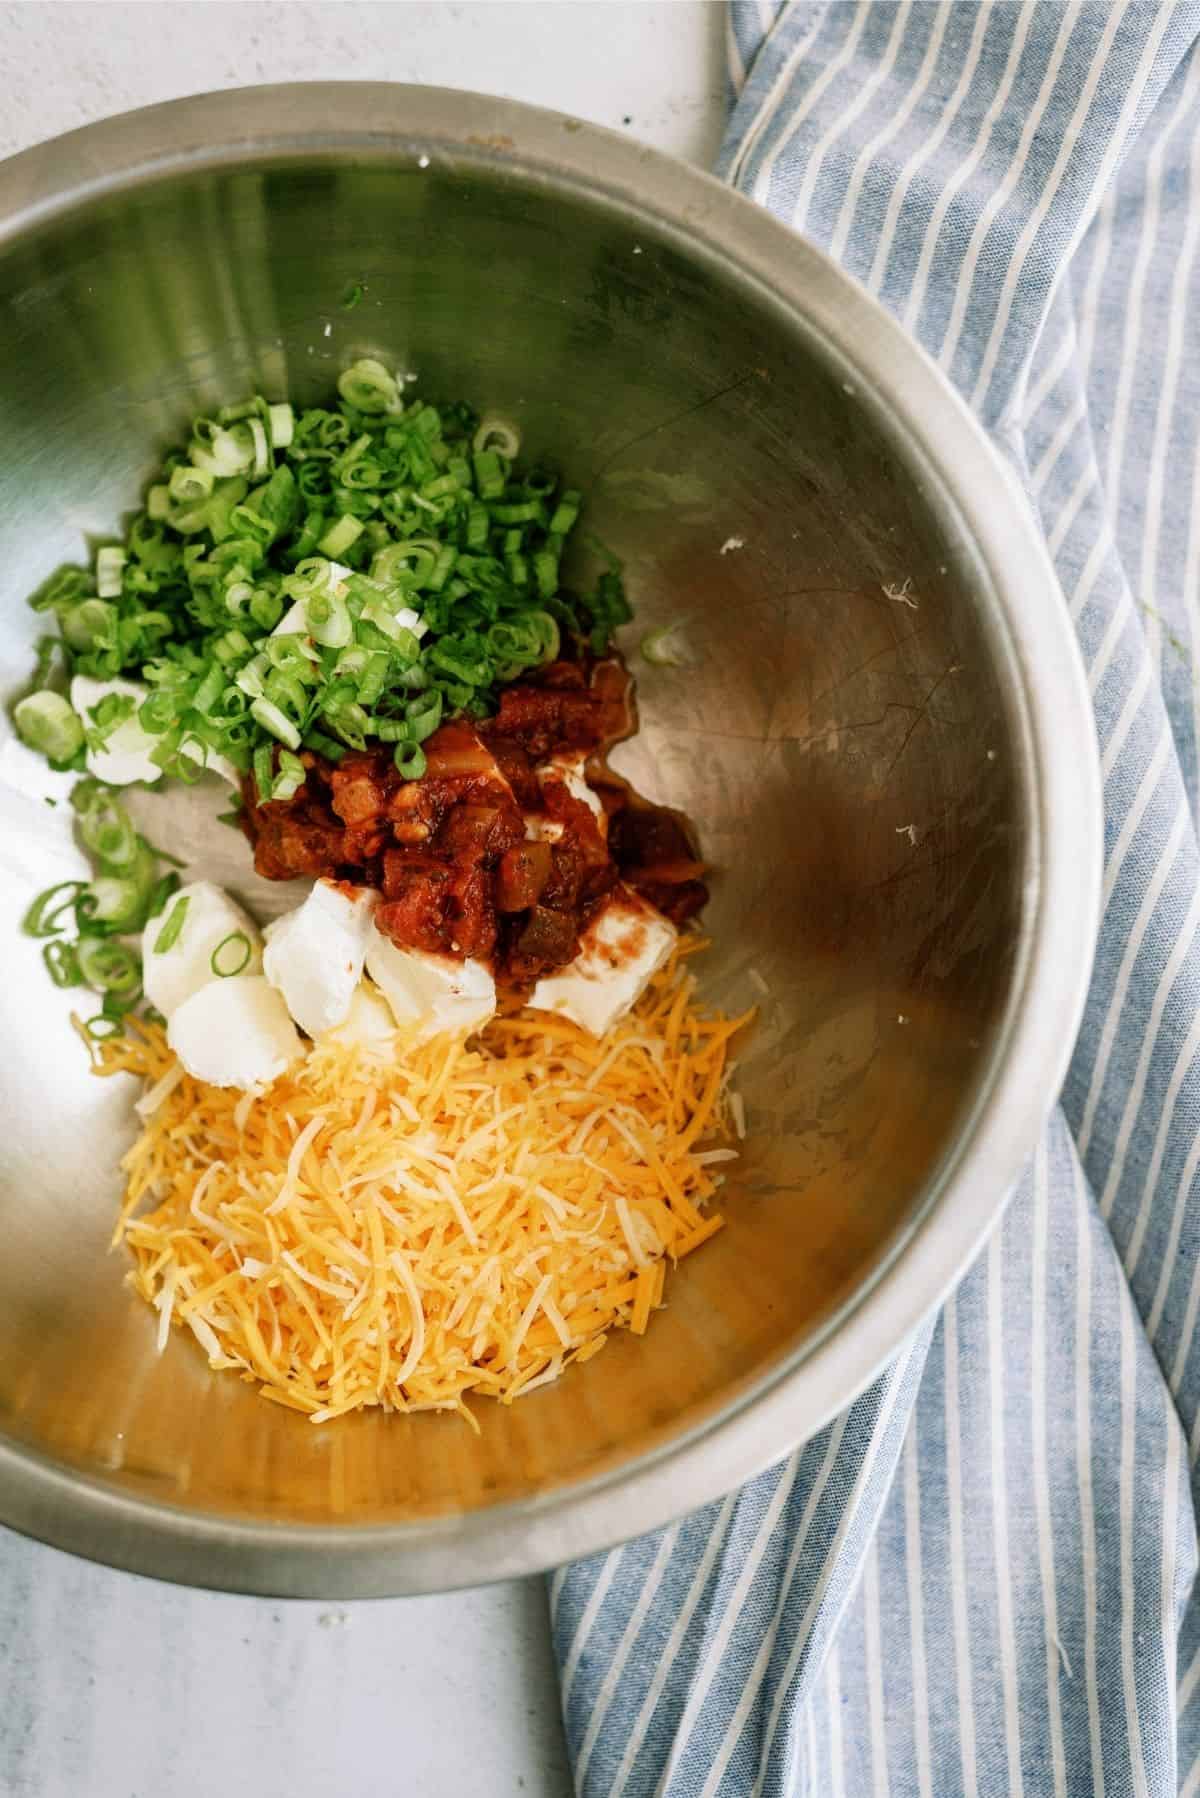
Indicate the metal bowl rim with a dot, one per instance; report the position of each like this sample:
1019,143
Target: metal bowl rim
1061,782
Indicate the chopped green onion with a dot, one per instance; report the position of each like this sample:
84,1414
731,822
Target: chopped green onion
329,621
90,625
290,778
526,511
666,648
450,588
210,689
262,449
340,536
350,722
45,722
545,573
48,652
423,715
239,942
489,474
156,714
101,1026
368,387
282,422
273,720
109,966
113,710
329,747
496,433
62,963
110,568
224,452
42,917
410,760
116,901
374,677
264,771
87,794
266,609
107,831
168,936
188,485
565,513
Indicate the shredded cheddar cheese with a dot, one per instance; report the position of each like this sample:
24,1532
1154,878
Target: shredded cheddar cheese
467,1219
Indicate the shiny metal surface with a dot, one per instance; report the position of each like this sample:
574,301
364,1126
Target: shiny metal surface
884,742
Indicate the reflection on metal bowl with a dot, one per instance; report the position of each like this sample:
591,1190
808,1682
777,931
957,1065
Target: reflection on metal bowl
881,736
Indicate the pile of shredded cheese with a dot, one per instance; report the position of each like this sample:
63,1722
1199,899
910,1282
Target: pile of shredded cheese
466,1219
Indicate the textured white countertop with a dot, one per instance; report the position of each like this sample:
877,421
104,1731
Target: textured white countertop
115,1687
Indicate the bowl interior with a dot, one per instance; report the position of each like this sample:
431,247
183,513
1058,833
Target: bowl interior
842,741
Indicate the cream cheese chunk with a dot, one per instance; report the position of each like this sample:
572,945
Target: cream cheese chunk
621,950
234,1032
314,954
171,976
430,995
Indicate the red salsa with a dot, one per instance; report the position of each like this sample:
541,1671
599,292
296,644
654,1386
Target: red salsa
489,854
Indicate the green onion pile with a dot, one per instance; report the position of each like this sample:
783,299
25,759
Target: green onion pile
413,570
81,922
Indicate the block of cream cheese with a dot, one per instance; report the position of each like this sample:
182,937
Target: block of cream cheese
314,954
621,950
234,1032
430,994
210,916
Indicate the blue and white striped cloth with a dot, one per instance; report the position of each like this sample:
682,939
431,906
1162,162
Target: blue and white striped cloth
980,1579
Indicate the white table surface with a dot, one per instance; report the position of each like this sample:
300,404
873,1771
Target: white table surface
115,1687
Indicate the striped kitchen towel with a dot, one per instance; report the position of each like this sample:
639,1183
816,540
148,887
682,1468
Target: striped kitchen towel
979,1580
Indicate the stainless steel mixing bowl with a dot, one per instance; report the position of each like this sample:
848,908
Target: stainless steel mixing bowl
884,740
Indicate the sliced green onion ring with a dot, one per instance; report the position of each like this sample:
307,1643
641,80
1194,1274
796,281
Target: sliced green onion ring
114,902
339,537
241,953
42,917
667,648
107,831
423,715
62,963
410,760
46,722
110,567
108,965
497,433
282,423
368,387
